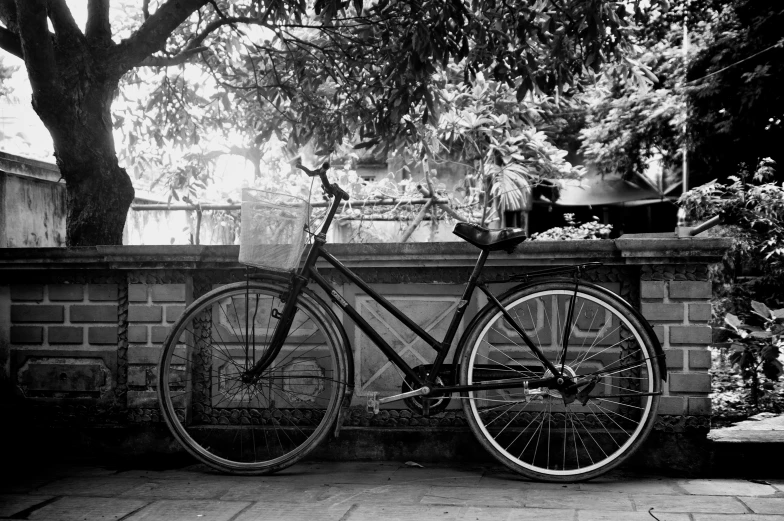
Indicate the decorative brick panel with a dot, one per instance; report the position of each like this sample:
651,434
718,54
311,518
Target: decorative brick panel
65,335
27,335
137,292
137,334
27,292
672,405
699,359
102,292
652,289
674,358
173,313
660,312
37,313
95,313
168,292
66,292
700,312
699,406
690,289
102,335
690,383
660,335
159,334
145,314
691,335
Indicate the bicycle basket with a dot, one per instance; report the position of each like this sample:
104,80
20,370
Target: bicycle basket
272,232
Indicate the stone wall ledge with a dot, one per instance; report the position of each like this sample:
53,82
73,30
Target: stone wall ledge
626,250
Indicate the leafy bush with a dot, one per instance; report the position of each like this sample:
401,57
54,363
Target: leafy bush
757,343
572,231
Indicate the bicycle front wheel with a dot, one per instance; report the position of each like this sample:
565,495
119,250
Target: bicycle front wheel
598,341
265,424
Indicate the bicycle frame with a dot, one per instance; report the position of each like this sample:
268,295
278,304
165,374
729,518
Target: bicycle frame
309,272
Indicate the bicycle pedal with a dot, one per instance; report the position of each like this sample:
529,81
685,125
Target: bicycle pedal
372,403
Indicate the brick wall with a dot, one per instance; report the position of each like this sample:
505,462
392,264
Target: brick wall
86,337
679,311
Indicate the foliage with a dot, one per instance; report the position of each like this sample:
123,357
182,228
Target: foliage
736,104
572,231
756,346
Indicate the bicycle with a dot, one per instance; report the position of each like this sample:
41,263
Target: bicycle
559,379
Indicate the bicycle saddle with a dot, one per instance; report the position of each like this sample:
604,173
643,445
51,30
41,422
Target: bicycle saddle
491,240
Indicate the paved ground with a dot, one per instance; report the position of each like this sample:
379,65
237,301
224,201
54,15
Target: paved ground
315,491
763,428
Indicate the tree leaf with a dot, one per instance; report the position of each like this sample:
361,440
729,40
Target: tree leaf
732,320
761,309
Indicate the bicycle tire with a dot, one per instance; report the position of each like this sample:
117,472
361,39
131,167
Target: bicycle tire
266,425
536,433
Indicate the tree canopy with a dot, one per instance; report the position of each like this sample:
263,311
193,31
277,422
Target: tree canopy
307,71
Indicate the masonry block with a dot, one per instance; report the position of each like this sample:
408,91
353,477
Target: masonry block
137,375
674,358
145,314
137,292
95,313
652,289
37,313
674,405
699,406
66,292
65,335
137,334
693,335
159,334
690,383
700,312
699,359
102,335
144,355
657,311
27,292
689,289
173,313
168,292
27,335
660,335
102,292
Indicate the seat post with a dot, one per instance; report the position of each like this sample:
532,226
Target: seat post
480,263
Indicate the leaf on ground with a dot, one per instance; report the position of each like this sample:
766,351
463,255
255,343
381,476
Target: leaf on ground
414,464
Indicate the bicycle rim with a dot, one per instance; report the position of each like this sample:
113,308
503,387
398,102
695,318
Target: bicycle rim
264,425
535,432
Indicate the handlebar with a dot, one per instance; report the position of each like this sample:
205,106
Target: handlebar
331,189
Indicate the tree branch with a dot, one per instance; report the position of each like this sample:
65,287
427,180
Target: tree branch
8,15
98,26
10,42
153,33
62,20
167,61
37,48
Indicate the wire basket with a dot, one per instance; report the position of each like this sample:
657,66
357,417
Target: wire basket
273,232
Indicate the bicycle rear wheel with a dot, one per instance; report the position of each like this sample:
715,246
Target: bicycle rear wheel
267,424
536,432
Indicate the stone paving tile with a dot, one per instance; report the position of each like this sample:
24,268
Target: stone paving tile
10,504
454,477
403,513
632,486
764,505
515,514
278,511
734,517
89,508
399,494
180,489
581,500
189,510
598,515
518,482
23,484
486,497
726,487
707,504
98,487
